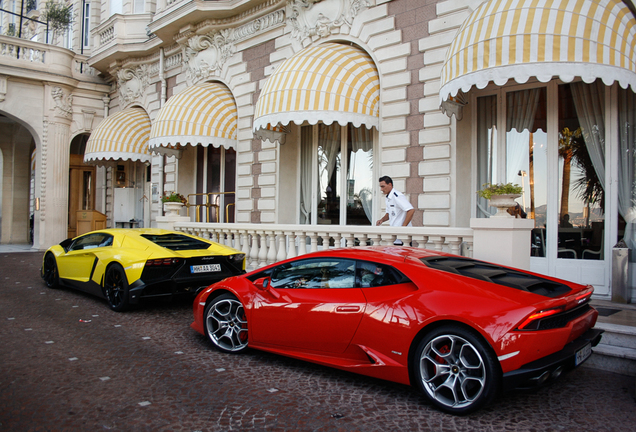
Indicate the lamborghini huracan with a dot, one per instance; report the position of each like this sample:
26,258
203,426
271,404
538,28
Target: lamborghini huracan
458,329
126,266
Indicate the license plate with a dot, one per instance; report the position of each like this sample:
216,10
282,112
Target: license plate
582,354
205,268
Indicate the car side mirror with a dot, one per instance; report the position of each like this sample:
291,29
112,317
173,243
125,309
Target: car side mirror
262,283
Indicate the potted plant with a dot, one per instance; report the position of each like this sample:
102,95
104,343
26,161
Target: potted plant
59,17
502,196
172,203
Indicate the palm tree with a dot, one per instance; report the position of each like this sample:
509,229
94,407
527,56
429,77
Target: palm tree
567,141
588,186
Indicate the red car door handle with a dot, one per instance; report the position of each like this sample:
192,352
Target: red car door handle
347,308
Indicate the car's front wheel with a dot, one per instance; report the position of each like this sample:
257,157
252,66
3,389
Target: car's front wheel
456,370
49,271
116,288
225,324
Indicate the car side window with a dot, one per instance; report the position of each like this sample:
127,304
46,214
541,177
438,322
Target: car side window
315,273
91,241
371,274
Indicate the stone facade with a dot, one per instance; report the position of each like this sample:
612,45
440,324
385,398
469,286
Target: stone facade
140,58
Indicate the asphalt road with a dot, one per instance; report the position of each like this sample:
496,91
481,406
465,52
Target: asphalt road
68,363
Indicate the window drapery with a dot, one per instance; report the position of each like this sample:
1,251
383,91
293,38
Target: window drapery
521,111
486,147
590,110
306,151
626,160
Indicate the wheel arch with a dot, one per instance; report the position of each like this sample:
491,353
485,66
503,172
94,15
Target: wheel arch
111,264
437,324
219,292
107,267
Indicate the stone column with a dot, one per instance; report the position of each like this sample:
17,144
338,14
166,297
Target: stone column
502,240
53,214
54,167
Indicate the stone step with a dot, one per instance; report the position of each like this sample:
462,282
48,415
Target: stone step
613,359
617,350
618,335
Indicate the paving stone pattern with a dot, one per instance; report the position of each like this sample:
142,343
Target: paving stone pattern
68,363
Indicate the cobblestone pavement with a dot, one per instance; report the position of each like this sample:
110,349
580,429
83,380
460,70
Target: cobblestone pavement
68,363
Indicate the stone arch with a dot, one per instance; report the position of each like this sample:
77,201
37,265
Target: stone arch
17,145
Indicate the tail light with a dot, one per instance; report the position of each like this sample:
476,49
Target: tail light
532,322
162,262
237,259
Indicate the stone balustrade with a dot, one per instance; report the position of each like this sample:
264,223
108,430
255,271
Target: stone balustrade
20,49
267,243
44,58
106,35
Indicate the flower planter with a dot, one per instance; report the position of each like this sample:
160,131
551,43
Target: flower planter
503,203
172,208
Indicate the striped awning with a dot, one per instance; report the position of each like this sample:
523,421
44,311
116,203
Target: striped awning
324,83
121,136
204,114
272,133
520,39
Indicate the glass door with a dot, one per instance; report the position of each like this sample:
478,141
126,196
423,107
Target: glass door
554,147
336,175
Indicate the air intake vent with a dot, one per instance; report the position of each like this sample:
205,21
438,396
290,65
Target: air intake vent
497,274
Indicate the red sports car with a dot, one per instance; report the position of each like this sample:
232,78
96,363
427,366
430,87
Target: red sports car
459,329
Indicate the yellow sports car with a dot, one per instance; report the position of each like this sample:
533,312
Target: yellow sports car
125,266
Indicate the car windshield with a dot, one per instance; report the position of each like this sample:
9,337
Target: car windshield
176,241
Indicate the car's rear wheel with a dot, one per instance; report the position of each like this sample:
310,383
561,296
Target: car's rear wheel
456,370
116,288
49,271
225,324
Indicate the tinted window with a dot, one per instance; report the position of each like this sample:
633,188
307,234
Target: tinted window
176,241
315,273
372,274
91,241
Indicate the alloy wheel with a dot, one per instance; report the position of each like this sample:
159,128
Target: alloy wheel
226,324
452,371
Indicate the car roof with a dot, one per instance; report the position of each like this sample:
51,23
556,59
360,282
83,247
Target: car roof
384,253
136,232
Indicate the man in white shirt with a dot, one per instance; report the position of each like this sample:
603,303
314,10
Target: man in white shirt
399,210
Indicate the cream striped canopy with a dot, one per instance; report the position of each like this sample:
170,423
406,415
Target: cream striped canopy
203,114
123,135
519,39
326,83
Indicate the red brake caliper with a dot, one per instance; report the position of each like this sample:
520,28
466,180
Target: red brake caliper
444,350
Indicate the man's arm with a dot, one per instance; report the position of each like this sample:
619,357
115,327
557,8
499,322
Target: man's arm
383,219
409,216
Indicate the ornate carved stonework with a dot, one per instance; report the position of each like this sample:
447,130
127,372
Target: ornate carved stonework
204,55
133,82
88,116
309,18
63,102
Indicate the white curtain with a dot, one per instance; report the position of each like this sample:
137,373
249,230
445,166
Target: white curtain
362,139
306,153
486,146
329,148
366,198
626,178
521,111
589,102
